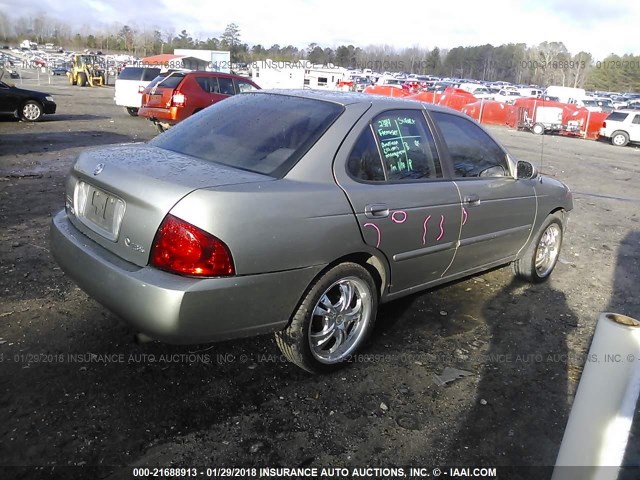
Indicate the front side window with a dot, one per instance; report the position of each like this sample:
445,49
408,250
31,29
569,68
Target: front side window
473,152
406,145
244,86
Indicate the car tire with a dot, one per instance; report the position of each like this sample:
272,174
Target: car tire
71,80
619,138
320,343
31,111
159,127
538,129
132,111
542,253
82,80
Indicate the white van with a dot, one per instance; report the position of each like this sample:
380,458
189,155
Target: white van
130,84
565,94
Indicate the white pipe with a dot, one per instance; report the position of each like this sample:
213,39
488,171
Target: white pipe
600,420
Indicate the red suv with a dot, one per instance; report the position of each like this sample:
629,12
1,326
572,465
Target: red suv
171,97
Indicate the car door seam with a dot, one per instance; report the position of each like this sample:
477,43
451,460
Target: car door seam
457,243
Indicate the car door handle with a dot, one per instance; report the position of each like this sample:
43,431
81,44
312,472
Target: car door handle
377,210
472,200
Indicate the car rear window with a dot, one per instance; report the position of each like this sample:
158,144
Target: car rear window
617,116
169,80
262,133
130,73
150,73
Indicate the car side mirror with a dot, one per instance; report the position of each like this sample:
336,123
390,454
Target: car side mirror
525,170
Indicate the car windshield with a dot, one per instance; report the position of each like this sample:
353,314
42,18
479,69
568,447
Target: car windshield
262,133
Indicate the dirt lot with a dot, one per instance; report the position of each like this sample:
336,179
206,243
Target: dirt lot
75,389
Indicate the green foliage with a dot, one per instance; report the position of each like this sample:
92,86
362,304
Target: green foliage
615,73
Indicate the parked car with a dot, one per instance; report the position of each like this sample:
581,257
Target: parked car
28,105
130,84
606,104
588,103
507,96
621,127
174,96
298,212
59,71
482,93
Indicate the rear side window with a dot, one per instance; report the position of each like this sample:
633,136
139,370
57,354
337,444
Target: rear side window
636,120
150,73
364,161
226,86
473,152
208,84
261,133
131,73
617,116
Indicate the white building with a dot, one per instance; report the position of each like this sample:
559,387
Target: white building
218,60
324,77
274,74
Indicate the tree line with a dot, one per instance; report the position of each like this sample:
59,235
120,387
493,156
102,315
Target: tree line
549,63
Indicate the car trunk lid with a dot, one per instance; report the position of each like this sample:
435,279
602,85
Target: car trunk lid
119,195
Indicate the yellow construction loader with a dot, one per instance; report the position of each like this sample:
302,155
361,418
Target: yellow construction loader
87,70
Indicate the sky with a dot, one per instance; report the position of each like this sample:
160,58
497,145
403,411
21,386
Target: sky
582,25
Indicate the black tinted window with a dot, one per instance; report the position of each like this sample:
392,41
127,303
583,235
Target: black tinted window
131,73
167,81
407,147
636,119
617,116
261,133
208,84
150,73
364,161
226,86
473,152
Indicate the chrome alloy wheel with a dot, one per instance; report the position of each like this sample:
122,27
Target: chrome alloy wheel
548,250
31,112
340,319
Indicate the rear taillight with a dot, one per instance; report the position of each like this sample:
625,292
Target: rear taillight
178,99
604,124
182,248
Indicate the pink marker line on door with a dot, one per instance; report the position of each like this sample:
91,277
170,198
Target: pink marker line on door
465,215
377,230
424,233
401,212
441,228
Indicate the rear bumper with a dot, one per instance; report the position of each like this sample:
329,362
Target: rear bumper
178,309
170,115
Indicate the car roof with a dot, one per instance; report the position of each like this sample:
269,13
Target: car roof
352,98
